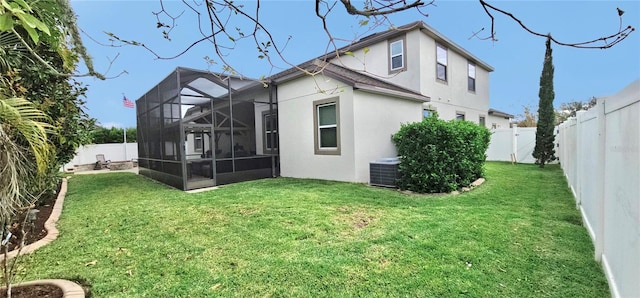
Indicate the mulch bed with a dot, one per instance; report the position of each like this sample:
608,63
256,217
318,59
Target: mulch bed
37,231
34,233
44,291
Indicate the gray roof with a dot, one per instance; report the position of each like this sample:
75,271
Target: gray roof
355,79
364,81
494,112
391,33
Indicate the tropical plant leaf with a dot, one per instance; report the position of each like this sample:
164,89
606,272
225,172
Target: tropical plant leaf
6,22
32,33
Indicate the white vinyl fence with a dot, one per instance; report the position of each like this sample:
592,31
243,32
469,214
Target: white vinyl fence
600,155
512,144
115,152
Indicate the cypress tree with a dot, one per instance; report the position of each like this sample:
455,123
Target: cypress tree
544,151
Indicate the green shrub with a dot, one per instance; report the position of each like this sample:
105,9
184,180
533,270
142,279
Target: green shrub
440,156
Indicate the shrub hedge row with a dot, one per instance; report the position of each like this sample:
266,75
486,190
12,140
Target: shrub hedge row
440,156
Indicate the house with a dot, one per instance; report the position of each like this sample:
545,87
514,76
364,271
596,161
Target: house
325,119
498,119
419,58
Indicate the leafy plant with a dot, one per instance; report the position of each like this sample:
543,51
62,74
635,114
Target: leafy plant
42,120
103,135
440,156
24,152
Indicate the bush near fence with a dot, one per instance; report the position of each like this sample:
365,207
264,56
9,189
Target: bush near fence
440,156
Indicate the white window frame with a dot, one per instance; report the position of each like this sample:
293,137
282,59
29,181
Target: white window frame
471,76
317,128
443,61
402,54
197,142
274,130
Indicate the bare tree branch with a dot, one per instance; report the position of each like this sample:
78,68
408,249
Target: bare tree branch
389,7
218,28
604,42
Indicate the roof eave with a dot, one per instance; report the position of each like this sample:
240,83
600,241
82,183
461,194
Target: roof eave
433,33
430,31
497,113
398,94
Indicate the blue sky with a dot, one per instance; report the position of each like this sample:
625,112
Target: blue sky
517,56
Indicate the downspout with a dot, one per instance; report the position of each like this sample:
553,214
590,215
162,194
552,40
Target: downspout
213,143
271,142
233,149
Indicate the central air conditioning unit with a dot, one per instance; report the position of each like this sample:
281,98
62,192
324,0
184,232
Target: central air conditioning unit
384,172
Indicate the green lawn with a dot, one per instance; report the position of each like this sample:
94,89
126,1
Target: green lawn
517,235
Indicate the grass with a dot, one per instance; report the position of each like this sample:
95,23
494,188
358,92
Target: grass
517,235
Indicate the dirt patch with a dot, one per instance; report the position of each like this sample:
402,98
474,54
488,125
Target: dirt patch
358,218
35,229
41,291
361,220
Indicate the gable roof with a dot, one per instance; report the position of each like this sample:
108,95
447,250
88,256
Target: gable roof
355,79
394,32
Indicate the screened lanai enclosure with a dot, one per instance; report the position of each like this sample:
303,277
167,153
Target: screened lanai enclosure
199,129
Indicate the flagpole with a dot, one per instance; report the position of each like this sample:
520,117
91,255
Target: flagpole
125,136
125,143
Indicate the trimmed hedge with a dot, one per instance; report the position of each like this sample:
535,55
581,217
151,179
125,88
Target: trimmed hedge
440,156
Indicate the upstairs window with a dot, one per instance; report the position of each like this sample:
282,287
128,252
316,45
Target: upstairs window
441,63
460,116
482,121
396,55
327,126
471,69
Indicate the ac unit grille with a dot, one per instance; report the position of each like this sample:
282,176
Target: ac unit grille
384,172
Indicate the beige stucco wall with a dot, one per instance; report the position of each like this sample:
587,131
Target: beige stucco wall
453,96
448,98
295,109
376,119
500,122
376,62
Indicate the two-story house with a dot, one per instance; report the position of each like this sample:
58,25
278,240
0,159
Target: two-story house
327,118
427,73
419,58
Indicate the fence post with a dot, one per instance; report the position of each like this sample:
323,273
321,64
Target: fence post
580,161
601,177
514,142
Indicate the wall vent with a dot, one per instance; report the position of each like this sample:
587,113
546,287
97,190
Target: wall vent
384,172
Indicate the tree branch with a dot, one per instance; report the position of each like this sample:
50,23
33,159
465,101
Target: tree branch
589,44
371,10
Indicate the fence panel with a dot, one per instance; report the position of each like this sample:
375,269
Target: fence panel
622,193
518,142
600,156
115,152
586,197
501,145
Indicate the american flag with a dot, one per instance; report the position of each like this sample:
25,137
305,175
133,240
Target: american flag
126,102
